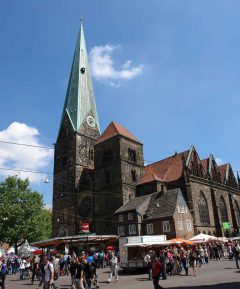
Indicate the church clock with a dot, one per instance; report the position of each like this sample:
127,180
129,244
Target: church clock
91,121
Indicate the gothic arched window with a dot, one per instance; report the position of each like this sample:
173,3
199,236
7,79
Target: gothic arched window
223,210
203,210
237,212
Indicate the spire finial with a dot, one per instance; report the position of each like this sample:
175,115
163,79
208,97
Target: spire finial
81,19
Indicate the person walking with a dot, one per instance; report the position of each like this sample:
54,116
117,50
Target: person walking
35,267
79,267
156,271
147,260
3,272
236,251
49,273
42,272
162,259
113,268
193,262
22,268
89,273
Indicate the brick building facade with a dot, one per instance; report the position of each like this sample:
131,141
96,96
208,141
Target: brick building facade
95,174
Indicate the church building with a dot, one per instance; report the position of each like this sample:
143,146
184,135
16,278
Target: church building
97,174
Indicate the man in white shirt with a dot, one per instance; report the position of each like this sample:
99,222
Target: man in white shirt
113,267
22,267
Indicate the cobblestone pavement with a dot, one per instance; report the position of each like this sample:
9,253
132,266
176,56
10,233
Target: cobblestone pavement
215,275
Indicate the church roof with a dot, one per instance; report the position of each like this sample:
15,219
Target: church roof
167,170
205,164
116,129
80,99
223,171
149,177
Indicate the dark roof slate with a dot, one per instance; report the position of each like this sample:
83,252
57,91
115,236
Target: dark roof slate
135,204
163,206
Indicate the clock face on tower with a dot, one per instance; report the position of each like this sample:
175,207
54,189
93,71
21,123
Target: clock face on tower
91,121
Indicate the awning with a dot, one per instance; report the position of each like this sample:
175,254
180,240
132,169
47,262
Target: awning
147,244
74,239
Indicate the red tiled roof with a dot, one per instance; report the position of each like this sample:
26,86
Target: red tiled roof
116,129
148,177
167,170
222,170
205,164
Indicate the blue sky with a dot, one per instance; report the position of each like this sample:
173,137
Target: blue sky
186,92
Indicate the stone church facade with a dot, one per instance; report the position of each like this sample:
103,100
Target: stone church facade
95,174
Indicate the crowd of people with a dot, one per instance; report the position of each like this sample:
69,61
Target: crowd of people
46,269
173,260
82,269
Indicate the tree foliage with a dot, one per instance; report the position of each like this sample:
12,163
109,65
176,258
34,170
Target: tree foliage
22,213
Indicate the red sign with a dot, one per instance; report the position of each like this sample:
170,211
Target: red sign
84,227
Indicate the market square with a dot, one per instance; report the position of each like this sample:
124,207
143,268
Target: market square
119,159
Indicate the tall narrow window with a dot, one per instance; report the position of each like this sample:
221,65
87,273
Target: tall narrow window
134,177
237,212
132,156
203,210
149,229
90,154
223,210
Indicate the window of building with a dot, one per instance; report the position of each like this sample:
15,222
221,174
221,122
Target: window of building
223,210
130,216
183,210
189,225
120,218
180,225
132,229
132,155
237,212
166,226
150,229
121,231
133,174
203,210
90,154
181,204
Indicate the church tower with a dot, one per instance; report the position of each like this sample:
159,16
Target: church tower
74,149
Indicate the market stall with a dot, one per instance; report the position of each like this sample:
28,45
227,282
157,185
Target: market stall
133,249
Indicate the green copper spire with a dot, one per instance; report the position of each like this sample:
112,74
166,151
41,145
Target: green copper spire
80,100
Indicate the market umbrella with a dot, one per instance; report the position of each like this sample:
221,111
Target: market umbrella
202,238
180,241
110,248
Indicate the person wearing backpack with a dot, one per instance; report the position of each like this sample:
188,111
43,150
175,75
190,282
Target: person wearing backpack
89,273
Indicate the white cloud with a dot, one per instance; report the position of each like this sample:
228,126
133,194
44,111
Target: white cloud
219,161
23,157
103,68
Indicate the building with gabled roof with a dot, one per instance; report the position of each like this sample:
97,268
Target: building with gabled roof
96,175
161,213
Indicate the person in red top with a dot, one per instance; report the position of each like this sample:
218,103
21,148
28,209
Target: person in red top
156,271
